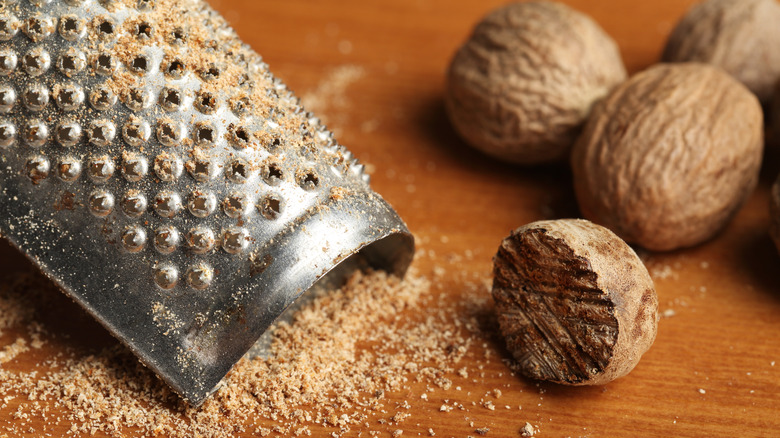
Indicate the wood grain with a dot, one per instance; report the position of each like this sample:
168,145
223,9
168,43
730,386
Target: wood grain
711,371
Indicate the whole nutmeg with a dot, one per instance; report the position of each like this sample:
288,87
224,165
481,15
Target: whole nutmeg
521,87
574,302
669,156
739,36
774,114
774,213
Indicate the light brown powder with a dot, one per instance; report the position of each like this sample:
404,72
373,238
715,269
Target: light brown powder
332,366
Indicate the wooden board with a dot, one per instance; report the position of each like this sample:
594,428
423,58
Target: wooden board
376,71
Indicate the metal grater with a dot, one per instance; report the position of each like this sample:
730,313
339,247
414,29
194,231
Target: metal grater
152,166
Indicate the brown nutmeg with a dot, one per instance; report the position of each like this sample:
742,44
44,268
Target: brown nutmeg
774,123
739,36
574,302
774,213
669,156
521,87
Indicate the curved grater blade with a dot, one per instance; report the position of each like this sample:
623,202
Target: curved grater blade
153,167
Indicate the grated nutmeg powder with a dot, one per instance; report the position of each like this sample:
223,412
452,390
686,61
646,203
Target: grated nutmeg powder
331,366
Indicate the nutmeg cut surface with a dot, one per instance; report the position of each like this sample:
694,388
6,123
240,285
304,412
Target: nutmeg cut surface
521,87
669,156
740,36
575,304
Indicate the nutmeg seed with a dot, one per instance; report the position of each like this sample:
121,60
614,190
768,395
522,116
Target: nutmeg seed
669,156
575,304
521,87
742,37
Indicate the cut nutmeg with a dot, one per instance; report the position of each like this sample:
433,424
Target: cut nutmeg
741,37
575,304
669,156
523,84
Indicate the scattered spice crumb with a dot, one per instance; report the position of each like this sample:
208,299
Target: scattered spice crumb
528,430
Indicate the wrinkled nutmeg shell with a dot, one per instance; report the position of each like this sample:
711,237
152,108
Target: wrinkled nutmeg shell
741,37
521,87
774,213
669,156
574,302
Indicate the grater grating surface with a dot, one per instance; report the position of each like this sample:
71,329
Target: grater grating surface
154,168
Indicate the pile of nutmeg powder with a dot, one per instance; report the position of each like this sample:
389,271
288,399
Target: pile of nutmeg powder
331,366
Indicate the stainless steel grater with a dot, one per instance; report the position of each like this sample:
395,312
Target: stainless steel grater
153,167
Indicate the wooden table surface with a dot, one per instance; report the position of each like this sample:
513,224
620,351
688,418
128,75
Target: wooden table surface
374,70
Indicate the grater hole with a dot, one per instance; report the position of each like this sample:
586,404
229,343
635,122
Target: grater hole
105,64
133,239
201,240
7,134
178,36
36,134
136,132
71,27
9,27
37,168
169,133
102,98
166,277
235,205
38,28
200,170
106,28
68,134
137,99
101,203
140,64
171,99
167,204
200,276
100,169
308,180
70,97
72,62
8,61
271,206
210,73
166,239
201,204
205,135
239,171
206,103
7,98
241,106
176,69
240,136
69,169
272,174
36,98
144,31
134,167
101,133
134,203
235,240
70,24
36,62
167,167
